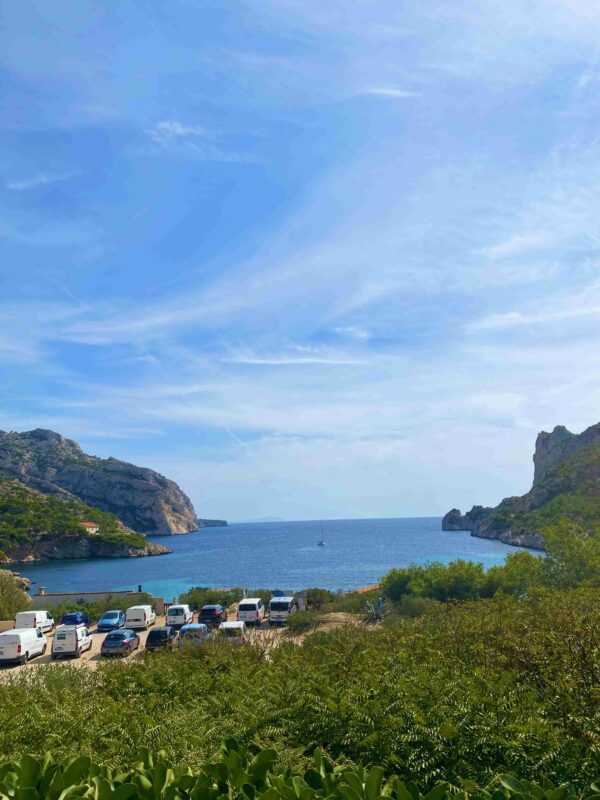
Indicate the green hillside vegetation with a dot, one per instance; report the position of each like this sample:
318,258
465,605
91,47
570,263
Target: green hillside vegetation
25,511
573,487
459,694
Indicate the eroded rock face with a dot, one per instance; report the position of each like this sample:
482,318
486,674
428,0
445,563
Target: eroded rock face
565,464
54,546
143,499
552,448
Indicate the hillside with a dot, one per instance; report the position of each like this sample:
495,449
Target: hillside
566,486
141,498
36,526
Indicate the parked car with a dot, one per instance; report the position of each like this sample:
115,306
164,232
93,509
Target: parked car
71,640
162,638
21,644
75,618
280,609
195,633
34,619
120,643
111,621
251,610
140,617
234,632
212,615
179,615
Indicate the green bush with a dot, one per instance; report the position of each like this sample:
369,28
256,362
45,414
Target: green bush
316,597
248,776
302,621
202,596
12,598
459,694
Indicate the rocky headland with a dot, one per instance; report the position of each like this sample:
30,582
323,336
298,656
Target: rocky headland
566,486
141,498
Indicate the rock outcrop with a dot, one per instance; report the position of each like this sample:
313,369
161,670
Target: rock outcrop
143,499
55,546
566,485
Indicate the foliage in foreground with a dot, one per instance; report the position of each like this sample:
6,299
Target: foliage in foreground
239,775
460,694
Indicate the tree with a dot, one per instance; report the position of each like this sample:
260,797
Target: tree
12,598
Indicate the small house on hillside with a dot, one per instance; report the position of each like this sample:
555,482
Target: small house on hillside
91,527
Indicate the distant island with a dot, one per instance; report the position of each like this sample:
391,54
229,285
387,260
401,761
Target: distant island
566,486
212,523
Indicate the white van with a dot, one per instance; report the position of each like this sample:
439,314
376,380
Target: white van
251,610
179,615
21,644
280,608
34,619
139,617
71,640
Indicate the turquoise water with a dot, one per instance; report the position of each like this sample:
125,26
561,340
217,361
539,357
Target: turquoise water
273,555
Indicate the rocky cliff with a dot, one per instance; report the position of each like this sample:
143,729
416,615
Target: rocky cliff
566,486
36,526
144,500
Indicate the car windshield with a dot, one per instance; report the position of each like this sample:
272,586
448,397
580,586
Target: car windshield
175,612
115,637
75,617
210,611
158,635
111,615
247,607
61,636
279,606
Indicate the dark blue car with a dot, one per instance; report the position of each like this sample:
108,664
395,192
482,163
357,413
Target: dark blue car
111,621
75,618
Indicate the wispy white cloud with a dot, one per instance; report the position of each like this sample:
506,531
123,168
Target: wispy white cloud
163,133
41,179
390,91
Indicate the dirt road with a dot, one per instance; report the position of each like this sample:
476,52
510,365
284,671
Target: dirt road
91,658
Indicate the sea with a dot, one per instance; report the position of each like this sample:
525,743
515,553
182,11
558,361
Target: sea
272,555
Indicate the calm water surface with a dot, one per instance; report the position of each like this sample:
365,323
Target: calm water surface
273,555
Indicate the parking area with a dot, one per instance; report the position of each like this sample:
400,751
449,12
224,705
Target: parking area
91,658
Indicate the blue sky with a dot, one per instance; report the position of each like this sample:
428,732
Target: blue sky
308,259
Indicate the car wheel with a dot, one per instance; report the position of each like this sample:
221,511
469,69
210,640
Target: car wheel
78,653
44,649
25,658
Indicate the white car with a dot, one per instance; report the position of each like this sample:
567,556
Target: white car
251,610
140,618
179,615
21,644
71,640
35,619
280,609
234,632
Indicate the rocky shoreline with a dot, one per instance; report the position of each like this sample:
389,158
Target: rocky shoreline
55,546
565,481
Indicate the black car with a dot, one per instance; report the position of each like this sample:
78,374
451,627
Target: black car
162,638
213,615
120,643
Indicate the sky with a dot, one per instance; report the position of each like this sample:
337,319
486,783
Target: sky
310,260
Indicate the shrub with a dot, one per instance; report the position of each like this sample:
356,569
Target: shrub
302,621
202,596
316,597
12,598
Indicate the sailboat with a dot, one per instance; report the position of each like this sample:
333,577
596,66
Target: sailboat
321,541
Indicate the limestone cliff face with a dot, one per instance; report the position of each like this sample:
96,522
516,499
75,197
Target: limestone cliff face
54,546
566,484
143,499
